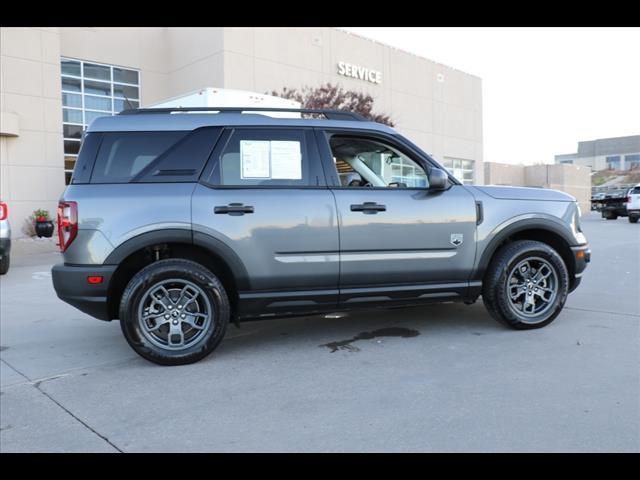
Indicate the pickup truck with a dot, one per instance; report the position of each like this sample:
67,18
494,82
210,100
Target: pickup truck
612,205
633,204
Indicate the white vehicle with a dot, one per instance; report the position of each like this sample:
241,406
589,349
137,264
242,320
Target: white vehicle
633,204
224,97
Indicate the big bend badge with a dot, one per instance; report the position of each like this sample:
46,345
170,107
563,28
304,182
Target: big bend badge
457,239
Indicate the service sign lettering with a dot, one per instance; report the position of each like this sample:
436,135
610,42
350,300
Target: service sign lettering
361,73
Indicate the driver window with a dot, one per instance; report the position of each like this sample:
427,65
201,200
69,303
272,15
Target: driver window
362,162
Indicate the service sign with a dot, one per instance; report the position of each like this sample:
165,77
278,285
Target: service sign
361,73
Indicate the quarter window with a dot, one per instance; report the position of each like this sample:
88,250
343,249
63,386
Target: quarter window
91,90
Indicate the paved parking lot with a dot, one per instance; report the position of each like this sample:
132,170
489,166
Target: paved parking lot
458,382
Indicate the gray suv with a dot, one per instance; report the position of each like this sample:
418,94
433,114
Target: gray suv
178,221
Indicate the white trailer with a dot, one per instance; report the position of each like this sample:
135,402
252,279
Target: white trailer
224,97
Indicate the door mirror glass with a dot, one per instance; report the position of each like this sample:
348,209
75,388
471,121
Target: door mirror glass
438,179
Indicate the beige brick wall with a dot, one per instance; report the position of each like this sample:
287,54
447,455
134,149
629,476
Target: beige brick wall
572,179
31,155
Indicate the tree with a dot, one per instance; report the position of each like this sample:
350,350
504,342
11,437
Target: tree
330,96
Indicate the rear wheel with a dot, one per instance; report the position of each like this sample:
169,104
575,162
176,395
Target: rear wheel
526,285
174,312
633,219
4,264
610,215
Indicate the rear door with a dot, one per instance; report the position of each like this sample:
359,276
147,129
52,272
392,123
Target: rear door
398,239
264,196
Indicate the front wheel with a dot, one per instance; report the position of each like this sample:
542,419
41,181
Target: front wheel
526,285
174,312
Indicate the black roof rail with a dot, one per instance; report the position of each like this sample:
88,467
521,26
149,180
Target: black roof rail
329,114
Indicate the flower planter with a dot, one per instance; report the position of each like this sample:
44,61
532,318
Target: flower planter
44,228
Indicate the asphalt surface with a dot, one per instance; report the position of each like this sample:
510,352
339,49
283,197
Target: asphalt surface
456,380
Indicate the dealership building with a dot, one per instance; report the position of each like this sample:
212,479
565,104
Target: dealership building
55,81
618,153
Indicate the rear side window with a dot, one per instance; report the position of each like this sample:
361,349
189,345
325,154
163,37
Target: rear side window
267,157
635,191
84,163
123,155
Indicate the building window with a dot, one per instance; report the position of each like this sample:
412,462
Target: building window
91,90
567,162
462,169
632,161
613,163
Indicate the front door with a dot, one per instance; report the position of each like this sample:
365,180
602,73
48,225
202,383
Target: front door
398,239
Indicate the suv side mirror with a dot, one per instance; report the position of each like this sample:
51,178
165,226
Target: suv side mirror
438,179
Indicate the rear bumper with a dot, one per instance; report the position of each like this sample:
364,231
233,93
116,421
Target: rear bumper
5,246
71,286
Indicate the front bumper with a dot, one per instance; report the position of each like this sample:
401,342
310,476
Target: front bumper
5,246
582,256
71,285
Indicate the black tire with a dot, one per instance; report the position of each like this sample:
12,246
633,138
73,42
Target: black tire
139,288
494,288
4,264
611,216
633,219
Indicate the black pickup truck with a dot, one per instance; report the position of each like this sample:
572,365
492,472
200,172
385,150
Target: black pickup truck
612,204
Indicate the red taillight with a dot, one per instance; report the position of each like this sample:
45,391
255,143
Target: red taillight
627,200
95,279
67,224
4,212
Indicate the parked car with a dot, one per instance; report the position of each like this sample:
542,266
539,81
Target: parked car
177,224
5,239
633,204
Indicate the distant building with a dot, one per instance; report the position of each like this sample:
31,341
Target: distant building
619,153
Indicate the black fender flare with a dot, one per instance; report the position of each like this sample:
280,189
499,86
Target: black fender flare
215,247
555,227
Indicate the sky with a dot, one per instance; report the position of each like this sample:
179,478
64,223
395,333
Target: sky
543,89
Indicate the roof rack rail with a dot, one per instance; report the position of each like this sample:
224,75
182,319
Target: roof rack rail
329,114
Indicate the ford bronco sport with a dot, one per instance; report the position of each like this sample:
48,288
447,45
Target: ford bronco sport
178,221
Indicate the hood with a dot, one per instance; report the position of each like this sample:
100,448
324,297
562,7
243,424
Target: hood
526,193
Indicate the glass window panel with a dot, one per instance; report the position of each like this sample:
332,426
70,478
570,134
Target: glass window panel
69,162
72,131
124,90
121,104
97,88
97,103
72,100
70,84
67,177
90,116
70,67
125,76
71,116
99,72
71,146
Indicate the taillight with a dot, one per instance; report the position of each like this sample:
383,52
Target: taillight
4,212
67,224
627,200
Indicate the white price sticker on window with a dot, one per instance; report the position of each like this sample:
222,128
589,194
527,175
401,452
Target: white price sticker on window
286,160
254,158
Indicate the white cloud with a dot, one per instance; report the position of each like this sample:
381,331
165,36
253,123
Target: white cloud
544,89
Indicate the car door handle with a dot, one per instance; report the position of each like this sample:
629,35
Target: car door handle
233,209
368,208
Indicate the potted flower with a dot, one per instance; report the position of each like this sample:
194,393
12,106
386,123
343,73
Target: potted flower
43,223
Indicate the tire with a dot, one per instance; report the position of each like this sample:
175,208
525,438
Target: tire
633,219
611,216
4,264
553,288
194,303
